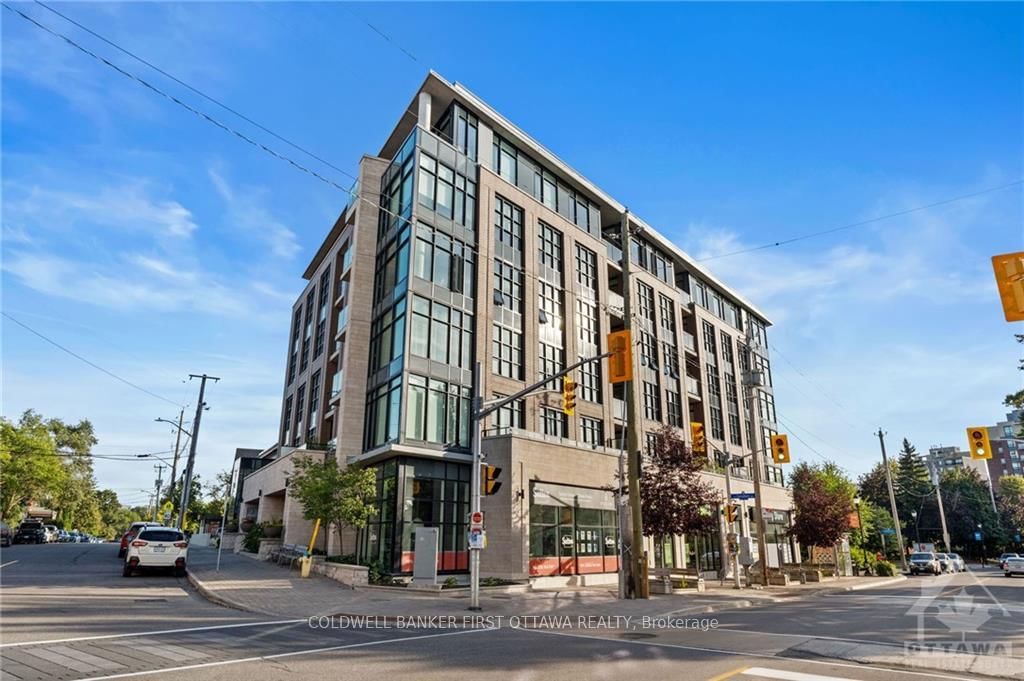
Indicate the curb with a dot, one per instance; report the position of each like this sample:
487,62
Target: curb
889,582
211,595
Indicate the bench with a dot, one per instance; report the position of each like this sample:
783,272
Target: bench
289,552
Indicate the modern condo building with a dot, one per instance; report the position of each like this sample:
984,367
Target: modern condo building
467,241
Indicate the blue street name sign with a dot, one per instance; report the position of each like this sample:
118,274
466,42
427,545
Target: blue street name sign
888,530
977,536
742,495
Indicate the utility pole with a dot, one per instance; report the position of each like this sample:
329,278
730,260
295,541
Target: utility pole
752,400
475,485
733,558
637,564
892,500
159,483
177,445
186,485
938,498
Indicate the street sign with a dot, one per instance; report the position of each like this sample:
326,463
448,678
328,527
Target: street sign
620,364
888,530
742,495
1009,271
977,536
476,518
477,539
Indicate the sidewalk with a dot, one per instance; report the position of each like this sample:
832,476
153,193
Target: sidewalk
244,583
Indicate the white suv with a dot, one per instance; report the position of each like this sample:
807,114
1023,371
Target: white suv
157,547
1014,565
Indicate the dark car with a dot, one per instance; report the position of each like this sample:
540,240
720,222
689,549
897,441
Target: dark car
5,534
30,532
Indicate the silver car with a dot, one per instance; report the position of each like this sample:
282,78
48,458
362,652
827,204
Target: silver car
957,563
923,562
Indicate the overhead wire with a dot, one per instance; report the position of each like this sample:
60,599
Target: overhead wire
90,363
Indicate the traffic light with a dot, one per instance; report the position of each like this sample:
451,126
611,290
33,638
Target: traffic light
489,483
1009,271
620,364
697,435
780,448
978,444
732,513
568,396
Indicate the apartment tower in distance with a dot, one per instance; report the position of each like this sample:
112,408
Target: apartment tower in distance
465,240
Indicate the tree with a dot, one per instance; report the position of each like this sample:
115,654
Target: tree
965,496
343,497
915,494
196,505
1011,502
30,465
823,502
673,498
873,486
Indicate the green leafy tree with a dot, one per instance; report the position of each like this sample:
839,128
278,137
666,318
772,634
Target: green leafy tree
1011,503
196,505
966,499
30,466
343,497
674,499
873,487
823,503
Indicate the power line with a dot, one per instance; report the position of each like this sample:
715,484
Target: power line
90,363
201,114
196,90
382,34
861,223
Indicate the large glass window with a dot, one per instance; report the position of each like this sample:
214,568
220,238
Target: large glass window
554,422
387,339
512,415
307,335
573,530
589,385
549,241
396,189
441,333
383,413
652,401
447,192
591,431
508,224
507,352
508,285
645,301
392,267
314,405
438,412
321,317
443,260
586,268
552,360
300,410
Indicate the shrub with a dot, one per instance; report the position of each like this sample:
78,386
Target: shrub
450,583
885,569
251,541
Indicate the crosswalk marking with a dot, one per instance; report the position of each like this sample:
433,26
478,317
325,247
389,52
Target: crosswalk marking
97,662
63,660
767,673
168,651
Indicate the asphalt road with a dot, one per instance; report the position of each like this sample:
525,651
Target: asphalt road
67,614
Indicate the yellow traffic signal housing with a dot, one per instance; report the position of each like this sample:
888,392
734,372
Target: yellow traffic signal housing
732,512
568,396
620,364
489,483
978,443
780,448
697,436
1009,271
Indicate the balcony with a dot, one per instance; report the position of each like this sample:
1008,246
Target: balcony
342,321
614,253
689,342
618,409
693,387
336,382
616,304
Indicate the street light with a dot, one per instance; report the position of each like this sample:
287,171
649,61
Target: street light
177,447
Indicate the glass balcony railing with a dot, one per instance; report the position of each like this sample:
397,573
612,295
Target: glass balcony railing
336,384
693,387
342,320
689,342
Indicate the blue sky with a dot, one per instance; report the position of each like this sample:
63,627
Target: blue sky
157,245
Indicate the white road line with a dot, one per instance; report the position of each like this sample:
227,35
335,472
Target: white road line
165,650
740,653
64,661
81,656
152,633
278,656
790,676
10,562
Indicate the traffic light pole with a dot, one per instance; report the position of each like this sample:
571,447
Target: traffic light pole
480,411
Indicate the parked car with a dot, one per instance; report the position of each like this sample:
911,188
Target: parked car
944,562
157,547
1004,557
924,563
957,562
63,536
130,533
30,532
51,533
1014,565
5,534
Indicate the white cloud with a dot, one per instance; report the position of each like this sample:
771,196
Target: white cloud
246,211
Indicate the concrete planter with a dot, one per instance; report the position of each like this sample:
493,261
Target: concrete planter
814,576
781,579
350,575
266,547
